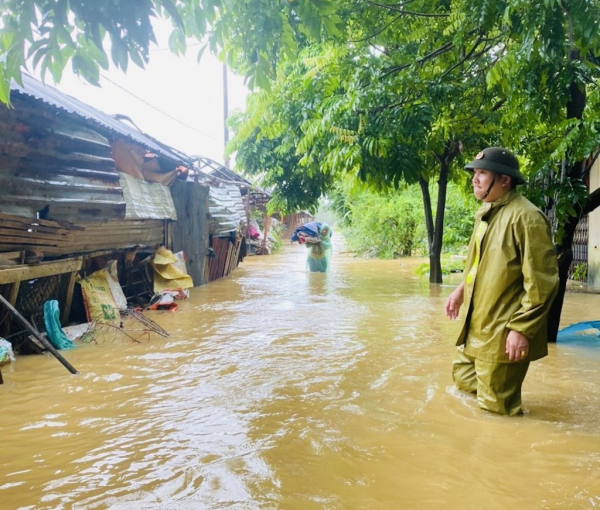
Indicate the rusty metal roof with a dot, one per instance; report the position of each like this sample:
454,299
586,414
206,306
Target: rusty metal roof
52,96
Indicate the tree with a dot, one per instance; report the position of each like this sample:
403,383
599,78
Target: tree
360,118
252,35
547,67
532,67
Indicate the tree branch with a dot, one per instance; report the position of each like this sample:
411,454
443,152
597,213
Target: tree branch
402,12
378,31
420,61
465,58
592,202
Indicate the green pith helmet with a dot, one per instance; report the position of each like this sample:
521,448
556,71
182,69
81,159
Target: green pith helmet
499,160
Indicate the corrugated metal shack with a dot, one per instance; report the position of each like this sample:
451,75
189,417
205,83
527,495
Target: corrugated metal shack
79,187
232,200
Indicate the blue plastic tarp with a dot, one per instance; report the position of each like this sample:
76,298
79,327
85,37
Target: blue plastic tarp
585,333
310,229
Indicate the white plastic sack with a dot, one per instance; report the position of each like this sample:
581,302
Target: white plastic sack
6,352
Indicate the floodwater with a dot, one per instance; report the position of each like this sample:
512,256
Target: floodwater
281,389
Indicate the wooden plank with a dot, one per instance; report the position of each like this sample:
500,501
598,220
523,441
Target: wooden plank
28,226
11,232
28,241
14,292
11,258
41,270
224,248
45,223
114,232
169,234
69,298
12,299
117,243
48,250
227,259
235,258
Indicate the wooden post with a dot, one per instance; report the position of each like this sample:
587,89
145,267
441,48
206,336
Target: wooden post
267,227
69,298
12,298
37,335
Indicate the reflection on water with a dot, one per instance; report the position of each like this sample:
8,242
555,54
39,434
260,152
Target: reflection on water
280,388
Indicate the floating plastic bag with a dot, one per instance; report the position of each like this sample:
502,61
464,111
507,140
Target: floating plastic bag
165,301
6,352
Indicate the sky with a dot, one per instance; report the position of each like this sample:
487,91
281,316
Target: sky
174,99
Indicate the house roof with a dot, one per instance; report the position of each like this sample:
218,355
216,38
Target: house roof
52,96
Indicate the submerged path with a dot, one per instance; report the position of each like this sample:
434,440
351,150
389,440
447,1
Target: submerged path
281,389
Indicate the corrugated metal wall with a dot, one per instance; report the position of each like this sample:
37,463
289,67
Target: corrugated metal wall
53,168
117,234
226,208
190,231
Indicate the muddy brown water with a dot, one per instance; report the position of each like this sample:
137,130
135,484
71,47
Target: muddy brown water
283,389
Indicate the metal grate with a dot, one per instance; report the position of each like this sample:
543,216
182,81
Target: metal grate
578,269
30,303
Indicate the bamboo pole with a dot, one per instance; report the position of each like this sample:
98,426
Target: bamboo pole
38,335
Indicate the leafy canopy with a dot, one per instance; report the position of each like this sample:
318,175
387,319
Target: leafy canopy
252,35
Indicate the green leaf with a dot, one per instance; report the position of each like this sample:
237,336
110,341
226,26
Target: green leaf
4,86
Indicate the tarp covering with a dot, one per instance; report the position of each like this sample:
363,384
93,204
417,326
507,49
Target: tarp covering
310,229
53,328
585,333
146,200
169,271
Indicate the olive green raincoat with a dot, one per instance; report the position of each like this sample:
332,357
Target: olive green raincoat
511,279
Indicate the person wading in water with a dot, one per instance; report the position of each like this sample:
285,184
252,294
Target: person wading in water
511,278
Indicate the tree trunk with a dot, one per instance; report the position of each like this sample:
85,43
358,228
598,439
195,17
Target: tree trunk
565,257
435,232
574,170
427,206
435,273
435,264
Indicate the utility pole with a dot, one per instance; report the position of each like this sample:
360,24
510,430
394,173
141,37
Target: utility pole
225,111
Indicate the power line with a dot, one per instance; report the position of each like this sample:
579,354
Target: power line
159,110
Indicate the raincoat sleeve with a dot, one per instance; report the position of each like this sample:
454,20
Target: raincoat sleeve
540,275
325,243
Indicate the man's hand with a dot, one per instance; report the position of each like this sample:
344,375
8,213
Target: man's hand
517,346
454,301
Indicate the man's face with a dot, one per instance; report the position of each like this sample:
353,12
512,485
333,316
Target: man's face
483,179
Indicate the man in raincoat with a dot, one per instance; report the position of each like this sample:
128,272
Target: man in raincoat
511,278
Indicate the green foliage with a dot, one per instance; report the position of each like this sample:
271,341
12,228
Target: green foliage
410,85
386,226
449,265
277,234
580,272
390,225
459,218
401,96
251,36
